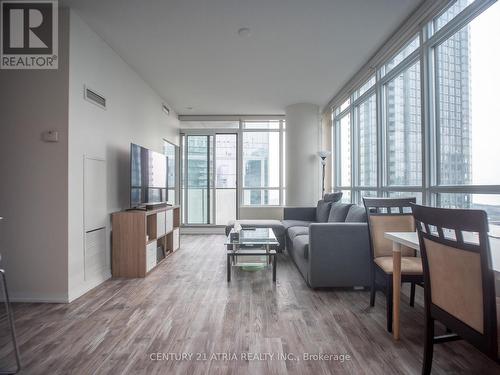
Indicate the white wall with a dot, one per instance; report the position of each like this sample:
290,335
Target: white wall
33,179
303,186
133,114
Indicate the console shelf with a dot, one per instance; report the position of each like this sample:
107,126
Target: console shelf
143,239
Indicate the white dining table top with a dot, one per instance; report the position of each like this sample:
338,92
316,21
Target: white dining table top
410,239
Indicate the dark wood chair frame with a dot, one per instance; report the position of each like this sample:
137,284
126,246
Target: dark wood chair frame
380,280
457,220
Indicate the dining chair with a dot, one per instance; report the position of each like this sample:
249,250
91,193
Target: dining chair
459,281
391,215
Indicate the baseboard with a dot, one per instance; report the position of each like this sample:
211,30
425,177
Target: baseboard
87,287
42,298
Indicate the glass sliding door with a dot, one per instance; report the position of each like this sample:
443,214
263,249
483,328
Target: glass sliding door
209,192
197,174
225,178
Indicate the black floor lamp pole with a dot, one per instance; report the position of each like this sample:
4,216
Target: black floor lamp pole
323,181
323,165
323,155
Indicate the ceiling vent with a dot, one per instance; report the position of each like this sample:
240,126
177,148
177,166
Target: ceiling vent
94,98
165,109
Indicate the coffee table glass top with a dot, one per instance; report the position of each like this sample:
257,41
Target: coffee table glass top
257,236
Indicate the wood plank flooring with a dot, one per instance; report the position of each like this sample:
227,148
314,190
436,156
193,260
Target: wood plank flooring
186,306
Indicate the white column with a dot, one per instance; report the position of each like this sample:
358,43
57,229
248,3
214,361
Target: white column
302,165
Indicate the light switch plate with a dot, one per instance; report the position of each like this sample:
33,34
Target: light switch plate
50,136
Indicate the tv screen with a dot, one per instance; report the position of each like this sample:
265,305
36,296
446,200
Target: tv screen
148,176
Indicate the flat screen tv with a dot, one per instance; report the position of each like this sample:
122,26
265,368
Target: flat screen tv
148,176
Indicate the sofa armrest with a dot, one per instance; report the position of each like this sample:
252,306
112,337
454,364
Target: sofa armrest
299,213
339,254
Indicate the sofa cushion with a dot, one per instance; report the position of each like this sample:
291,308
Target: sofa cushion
301,246
338,212
276,225
295,223
356,214
297,231
322,211
332,197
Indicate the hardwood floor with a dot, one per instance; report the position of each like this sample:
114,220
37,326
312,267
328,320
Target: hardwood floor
186,306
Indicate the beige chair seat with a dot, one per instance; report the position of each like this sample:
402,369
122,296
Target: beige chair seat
409,265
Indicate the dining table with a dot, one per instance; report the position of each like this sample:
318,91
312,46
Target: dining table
410,239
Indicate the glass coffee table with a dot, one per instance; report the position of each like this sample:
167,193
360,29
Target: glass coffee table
254,248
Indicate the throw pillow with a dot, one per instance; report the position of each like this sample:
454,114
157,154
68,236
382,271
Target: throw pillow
356,214
333,197
338,212
322,211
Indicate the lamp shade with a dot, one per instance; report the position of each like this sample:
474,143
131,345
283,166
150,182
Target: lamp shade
324,153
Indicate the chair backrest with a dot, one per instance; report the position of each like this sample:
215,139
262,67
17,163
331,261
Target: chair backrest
459,280
388,215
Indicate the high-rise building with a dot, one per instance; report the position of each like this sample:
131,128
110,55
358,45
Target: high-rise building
454,110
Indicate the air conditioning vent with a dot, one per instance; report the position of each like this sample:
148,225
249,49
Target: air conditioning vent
165,109
94,98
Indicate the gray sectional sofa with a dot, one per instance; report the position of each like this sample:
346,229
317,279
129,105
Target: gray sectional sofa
329,253
328,243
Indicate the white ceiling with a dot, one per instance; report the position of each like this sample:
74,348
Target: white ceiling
190,52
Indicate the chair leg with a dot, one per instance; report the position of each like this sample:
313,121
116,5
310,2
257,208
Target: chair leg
428,346
388,296
372,289
412,295
10,319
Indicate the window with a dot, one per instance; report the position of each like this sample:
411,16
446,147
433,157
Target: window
487,202
403,128
283,167
401,55
261,168
344,132
450,13
197,171
225,177
346,196
261,197
407,194
366,123
365,87
367,193
467,82
272,124
386,152
344,105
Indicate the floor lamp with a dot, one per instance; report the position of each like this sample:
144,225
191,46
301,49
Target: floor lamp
323,155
